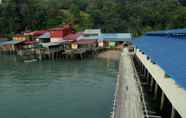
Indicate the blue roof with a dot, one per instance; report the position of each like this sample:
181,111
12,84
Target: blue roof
44,36
168,52
115,36
3,40
12,42
172,32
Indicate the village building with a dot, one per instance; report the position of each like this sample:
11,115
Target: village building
9,46
77,42
90,34
71,39
33,35
58,34
111,40
19,37
44,38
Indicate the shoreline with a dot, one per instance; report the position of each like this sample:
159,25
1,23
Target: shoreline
110,54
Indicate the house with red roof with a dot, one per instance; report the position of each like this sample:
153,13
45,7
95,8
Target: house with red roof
35,33
73,41
58,34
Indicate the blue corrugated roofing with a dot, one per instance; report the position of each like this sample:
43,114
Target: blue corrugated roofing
12,42
168,52
170,33
44,36
116,36
3,40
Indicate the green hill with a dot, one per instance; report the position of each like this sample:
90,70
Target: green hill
136,16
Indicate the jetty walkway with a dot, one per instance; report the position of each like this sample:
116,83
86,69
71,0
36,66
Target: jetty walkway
127,103
131,95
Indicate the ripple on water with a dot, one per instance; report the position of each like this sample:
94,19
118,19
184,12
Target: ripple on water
69,89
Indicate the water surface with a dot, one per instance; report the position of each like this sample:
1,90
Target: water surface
56,89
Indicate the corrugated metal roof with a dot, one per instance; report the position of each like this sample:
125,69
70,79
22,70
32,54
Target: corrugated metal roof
73,37
51,44
12,42
116,36
36,33
91,37
168,52
44,36
170,33
3,40
92,31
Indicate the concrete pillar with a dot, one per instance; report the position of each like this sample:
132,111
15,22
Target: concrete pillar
138,61
162,101
144,72
148,75
173,113
151,83
148,78
155,91
141,67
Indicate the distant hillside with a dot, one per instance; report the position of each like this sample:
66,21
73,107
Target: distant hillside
136,16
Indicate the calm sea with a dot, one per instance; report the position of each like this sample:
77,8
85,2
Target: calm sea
56,89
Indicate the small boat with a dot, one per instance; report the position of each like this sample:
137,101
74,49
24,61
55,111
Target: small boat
29,61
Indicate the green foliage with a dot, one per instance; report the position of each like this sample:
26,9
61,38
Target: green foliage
136,16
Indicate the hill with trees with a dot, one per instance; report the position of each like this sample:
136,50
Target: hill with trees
136,16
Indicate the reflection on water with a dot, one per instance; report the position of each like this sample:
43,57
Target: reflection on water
56,89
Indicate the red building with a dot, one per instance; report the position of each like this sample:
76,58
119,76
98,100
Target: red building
58,34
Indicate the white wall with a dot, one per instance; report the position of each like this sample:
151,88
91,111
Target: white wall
175,94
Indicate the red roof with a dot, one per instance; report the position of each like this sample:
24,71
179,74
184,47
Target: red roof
73,36
55,32
37,33
61,31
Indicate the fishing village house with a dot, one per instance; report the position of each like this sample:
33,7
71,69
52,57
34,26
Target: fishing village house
60,41
58,34
19,37
2,40
45,38
81,43
71,39
9,46
90,37
112,40
53,40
